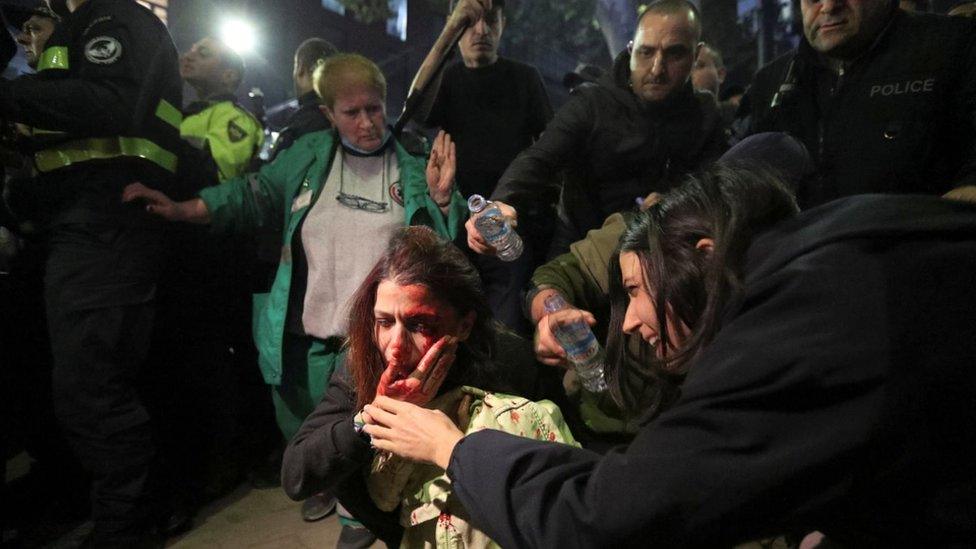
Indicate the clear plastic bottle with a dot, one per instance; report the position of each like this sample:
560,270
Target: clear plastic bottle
494,228
581,346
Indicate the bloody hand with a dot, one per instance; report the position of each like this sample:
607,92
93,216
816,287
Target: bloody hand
420,386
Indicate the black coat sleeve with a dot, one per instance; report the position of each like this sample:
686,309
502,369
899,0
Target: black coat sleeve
967,102
765,433
95,99
540,109
326,449
531,173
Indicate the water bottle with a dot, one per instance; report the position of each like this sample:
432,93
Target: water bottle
494,228
581,346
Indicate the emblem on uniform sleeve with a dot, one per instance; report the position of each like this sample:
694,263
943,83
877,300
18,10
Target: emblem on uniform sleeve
103,50
235,132
396,193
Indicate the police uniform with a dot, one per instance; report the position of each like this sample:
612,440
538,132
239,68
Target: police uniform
228,136
203,334
104,106
901,118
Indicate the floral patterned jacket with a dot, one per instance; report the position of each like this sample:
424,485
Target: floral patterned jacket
429,512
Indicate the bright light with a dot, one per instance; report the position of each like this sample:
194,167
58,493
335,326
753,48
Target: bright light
240,35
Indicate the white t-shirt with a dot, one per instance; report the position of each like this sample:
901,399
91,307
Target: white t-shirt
343,243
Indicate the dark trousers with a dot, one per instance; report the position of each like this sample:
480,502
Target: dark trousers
99,288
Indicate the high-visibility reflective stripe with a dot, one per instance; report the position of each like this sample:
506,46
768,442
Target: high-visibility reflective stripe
55,57
169,114
84,150
39,131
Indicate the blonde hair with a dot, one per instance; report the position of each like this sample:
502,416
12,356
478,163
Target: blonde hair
342,70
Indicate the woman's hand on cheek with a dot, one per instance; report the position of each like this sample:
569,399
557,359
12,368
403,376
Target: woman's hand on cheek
422,384
411,432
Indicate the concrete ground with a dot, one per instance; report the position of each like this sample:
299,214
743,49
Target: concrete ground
257,518
246,517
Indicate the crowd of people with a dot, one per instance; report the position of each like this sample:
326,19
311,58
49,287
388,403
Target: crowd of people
779,278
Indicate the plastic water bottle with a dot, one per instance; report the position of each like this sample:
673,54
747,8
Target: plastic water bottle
581,346
494,228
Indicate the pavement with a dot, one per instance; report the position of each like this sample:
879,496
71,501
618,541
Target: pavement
246,517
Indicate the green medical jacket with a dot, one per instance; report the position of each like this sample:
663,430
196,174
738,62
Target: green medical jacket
277,195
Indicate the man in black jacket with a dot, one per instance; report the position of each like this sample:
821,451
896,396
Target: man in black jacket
104,105
884,100
638,130
309,116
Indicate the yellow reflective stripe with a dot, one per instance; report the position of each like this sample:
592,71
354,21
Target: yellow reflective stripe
169,114
55,57
39,131
85,150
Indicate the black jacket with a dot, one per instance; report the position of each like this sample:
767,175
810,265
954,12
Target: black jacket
327,453
839,396
901,118
307,119
614,149
116,78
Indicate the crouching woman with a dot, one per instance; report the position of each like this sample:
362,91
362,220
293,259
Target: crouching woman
421,332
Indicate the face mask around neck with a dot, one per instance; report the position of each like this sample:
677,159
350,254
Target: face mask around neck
346,144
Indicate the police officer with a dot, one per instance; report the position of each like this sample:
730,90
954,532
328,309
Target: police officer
105,101
884,100
35,31
309,116
216,124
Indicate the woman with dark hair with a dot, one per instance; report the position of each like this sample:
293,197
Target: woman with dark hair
828,384
690,250
420,331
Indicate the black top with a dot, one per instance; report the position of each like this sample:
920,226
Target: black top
615,148
327,453
901,118
492,113
121,63
839,396
307,119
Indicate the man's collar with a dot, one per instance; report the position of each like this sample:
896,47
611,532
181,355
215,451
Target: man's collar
201,105
816,58
309,99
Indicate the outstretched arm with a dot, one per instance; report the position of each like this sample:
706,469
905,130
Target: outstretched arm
157,203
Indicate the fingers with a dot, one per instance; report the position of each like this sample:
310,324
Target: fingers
509,212
547,350
135,191
439,372
589,318
432,356
382,408
476,242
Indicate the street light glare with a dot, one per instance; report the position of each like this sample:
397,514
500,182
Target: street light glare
239,35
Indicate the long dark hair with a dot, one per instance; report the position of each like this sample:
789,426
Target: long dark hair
729,204
416,255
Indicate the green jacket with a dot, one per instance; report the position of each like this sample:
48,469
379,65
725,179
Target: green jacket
231,134
269,198
582,277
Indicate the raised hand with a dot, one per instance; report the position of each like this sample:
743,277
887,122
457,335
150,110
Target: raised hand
468,12
422,384
441,169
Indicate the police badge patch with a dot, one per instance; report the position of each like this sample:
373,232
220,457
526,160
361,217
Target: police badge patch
103,50
396,193
235,132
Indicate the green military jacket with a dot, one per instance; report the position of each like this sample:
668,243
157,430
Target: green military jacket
233,135
282,193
